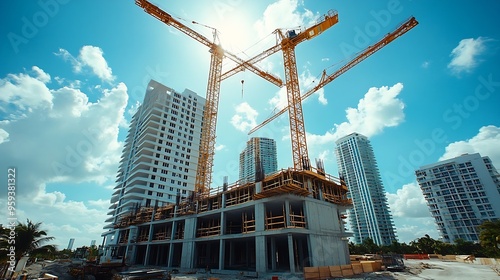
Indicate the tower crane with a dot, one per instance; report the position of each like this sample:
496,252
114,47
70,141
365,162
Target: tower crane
289,40
207,142
296,123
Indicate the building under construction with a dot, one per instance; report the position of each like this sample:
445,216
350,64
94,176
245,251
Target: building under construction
287,221
284,221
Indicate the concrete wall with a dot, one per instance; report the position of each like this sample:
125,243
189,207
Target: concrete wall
326,243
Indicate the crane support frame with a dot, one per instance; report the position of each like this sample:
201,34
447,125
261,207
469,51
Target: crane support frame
297,129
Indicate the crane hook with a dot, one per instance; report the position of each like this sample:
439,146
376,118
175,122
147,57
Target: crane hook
242,82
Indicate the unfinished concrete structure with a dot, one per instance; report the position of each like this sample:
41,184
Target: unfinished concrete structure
287,221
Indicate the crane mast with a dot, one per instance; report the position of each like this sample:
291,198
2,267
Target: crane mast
289,41
325,79
207,142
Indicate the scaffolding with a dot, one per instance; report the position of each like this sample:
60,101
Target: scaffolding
208,228
240,194
164,212
248,224
162,232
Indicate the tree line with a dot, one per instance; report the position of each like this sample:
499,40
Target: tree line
488,245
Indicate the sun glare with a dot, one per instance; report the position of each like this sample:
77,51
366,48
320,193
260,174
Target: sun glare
236,33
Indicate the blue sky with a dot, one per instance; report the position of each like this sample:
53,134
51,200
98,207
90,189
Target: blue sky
73,72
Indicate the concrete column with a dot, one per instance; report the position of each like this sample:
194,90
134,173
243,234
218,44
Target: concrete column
222,223
260,254
223,202
222,252
308,186
287,213
320,191
188,246
301,255
312,248
273,253
130,251
260,216
170,254
258,187
291,256
146,257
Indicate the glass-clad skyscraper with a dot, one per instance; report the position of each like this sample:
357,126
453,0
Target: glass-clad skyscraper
370,216
259,158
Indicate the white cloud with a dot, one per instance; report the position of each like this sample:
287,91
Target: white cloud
68,140
284,14
409,229
245,117
410,213
464,57
24,91
58,218
408,201
425,64
133,108
380,108
219,147
306,82
279,100
57,135
93,58
486,142
100,203
41,75
324,155
4,136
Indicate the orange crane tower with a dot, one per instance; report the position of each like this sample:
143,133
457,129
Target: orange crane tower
207,142
289,41
325,79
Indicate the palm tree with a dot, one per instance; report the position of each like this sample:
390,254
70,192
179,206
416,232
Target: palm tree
30,239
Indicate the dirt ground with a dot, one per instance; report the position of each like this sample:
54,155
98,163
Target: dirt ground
416,269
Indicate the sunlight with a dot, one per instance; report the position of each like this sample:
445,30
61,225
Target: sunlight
236,33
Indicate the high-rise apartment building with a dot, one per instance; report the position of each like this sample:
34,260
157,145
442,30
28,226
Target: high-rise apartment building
461,193
160,155
370,216
259,158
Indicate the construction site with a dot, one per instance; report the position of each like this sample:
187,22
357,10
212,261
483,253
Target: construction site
282,222
290,220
